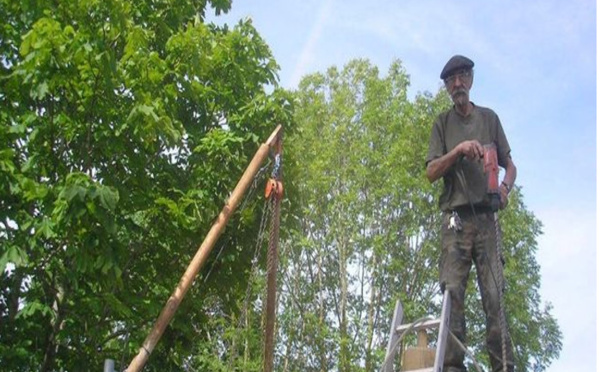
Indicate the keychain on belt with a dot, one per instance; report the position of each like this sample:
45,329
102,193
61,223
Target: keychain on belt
454,222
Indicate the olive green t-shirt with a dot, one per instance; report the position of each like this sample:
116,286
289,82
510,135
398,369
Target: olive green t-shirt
448,131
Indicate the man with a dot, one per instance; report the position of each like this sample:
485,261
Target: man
456,149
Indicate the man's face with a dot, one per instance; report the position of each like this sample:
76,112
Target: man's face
458,85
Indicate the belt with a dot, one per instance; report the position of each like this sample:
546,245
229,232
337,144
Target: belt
467,210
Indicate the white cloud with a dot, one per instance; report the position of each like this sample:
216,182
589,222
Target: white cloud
307,56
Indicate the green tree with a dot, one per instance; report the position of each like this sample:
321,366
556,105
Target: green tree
368,231
124,126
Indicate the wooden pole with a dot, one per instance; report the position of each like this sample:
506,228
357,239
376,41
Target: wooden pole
199,259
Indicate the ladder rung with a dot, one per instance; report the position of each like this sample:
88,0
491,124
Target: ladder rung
433,323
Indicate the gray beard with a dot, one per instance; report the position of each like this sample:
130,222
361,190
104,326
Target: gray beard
460,97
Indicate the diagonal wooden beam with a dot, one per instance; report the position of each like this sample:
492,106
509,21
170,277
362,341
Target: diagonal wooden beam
199,259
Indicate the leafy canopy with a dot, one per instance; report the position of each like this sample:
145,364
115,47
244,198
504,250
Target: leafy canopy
125,124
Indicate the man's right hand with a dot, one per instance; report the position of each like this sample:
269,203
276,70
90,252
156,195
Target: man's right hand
436,168
472,150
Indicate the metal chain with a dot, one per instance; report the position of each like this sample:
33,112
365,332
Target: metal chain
253,270
271,284
248,196
267,211
499,274
254,187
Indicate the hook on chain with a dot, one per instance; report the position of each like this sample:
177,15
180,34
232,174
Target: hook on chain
274,186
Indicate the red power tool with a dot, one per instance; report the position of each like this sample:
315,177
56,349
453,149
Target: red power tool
490,167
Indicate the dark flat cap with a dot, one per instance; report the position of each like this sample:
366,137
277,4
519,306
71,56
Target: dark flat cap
456,63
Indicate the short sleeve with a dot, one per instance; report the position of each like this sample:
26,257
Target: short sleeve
436,142
502,144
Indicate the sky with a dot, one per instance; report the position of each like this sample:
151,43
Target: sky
535,66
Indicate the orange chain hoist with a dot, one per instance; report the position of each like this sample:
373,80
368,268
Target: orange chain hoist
274,186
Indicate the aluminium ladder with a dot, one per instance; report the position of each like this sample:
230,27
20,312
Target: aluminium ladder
397,329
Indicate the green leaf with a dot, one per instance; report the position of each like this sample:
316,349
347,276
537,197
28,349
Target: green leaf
46,228
14,255
32,190
108,197
71,192
40,91
31,308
